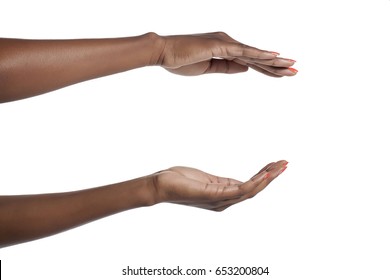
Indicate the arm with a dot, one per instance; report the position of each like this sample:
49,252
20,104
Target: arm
32,67
28,217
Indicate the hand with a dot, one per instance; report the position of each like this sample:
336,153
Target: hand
192,187
218,53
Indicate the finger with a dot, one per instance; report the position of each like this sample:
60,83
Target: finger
237,47
277,169
276,62
275,70
225,37
258,69
253,182
223,205
225,66
251,188
212,66
264,168
273,171
194,69
272,67
265,72
241,50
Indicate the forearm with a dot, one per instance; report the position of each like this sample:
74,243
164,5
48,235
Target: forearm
32,67
27,217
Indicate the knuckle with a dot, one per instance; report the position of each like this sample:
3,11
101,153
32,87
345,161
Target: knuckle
221,33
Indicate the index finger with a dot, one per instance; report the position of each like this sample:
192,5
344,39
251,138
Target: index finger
235,50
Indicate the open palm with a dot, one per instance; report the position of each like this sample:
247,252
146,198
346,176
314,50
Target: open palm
193,187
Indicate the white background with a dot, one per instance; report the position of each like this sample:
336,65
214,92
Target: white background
326,217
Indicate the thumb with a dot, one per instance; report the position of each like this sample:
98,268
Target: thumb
225,66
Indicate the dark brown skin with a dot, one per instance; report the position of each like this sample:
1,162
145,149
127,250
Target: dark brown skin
28,217
32,67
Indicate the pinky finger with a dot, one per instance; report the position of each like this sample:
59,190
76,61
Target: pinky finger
256,68
280,71
225,66
264,71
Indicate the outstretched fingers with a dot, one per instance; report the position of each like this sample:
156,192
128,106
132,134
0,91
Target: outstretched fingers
277,67
276,71
256,184
271,67
230,194
194,187
217,52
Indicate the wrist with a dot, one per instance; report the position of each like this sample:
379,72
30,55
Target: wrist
156,43
139,192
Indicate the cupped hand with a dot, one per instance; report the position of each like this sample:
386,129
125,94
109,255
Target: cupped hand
192,187
218,53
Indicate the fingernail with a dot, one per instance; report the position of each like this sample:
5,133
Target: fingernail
293,70
285,164
291,60
275,53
